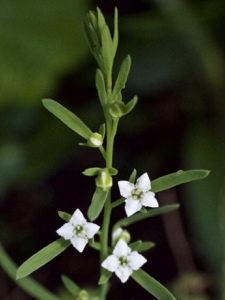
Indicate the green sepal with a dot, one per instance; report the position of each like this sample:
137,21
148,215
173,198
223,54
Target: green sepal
122,76
100,85
133,176
105,276
70,285
91,171
67,117
97,203
143,210
174,179
141,246
151,285
140,216
64,216
102,130
42,257
115,33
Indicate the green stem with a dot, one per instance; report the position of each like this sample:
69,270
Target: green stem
111,131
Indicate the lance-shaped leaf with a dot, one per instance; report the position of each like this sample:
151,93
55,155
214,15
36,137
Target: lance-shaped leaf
107,53
100,85
140,216
70,285
67,117
42,257
151,285
130,105
97,203
174,179
115,33
141,246
122,76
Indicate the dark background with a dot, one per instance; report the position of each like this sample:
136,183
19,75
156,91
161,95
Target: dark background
177,50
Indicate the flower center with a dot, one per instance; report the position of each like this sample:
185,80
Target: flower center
79,231
136,193
123,261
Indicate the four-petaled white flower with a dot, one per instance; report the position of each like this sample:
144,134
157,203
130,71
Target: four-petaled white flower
123,261
137,195
78,230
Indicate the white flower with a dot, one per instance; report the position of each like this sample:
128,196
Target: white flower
78,230
137,195
123,261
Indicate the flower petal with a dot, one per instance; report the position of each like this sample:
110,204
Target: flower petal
110,263
121,249
149,200
90,229
77,218
143,182
79,243
125,188
136,260
132,206
123,273
66,231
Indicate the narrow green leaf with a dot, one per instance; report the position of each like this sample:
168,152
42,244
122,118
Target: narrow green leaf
113,171
115,33
101,18
29,285
135,245
130,105
174,179
117,202
122,76
107,54
97,203
141,246
67,117
133,176
70,285
91,171
140,216
151,285
42,257
105,276
145,246
102,130
64,216
100,85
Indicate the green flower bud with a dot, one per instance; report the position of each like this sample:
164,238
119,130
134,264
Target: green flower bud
83,295
118,234
117,109
104,179
95,140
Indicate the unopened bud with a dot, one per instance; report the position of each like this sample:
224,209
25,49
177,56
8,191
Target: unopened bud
95,140
118,234
83,295
116,109
104,179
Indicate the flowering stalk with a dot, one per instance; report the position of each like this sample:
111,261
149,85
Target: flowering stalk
124,259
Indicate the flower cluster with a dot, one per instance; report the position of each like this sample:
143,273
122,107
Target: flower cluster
123,260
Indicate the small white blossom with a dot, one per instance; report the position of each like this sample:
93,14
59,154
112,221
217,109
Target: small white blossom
123,261
137,195
78,230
